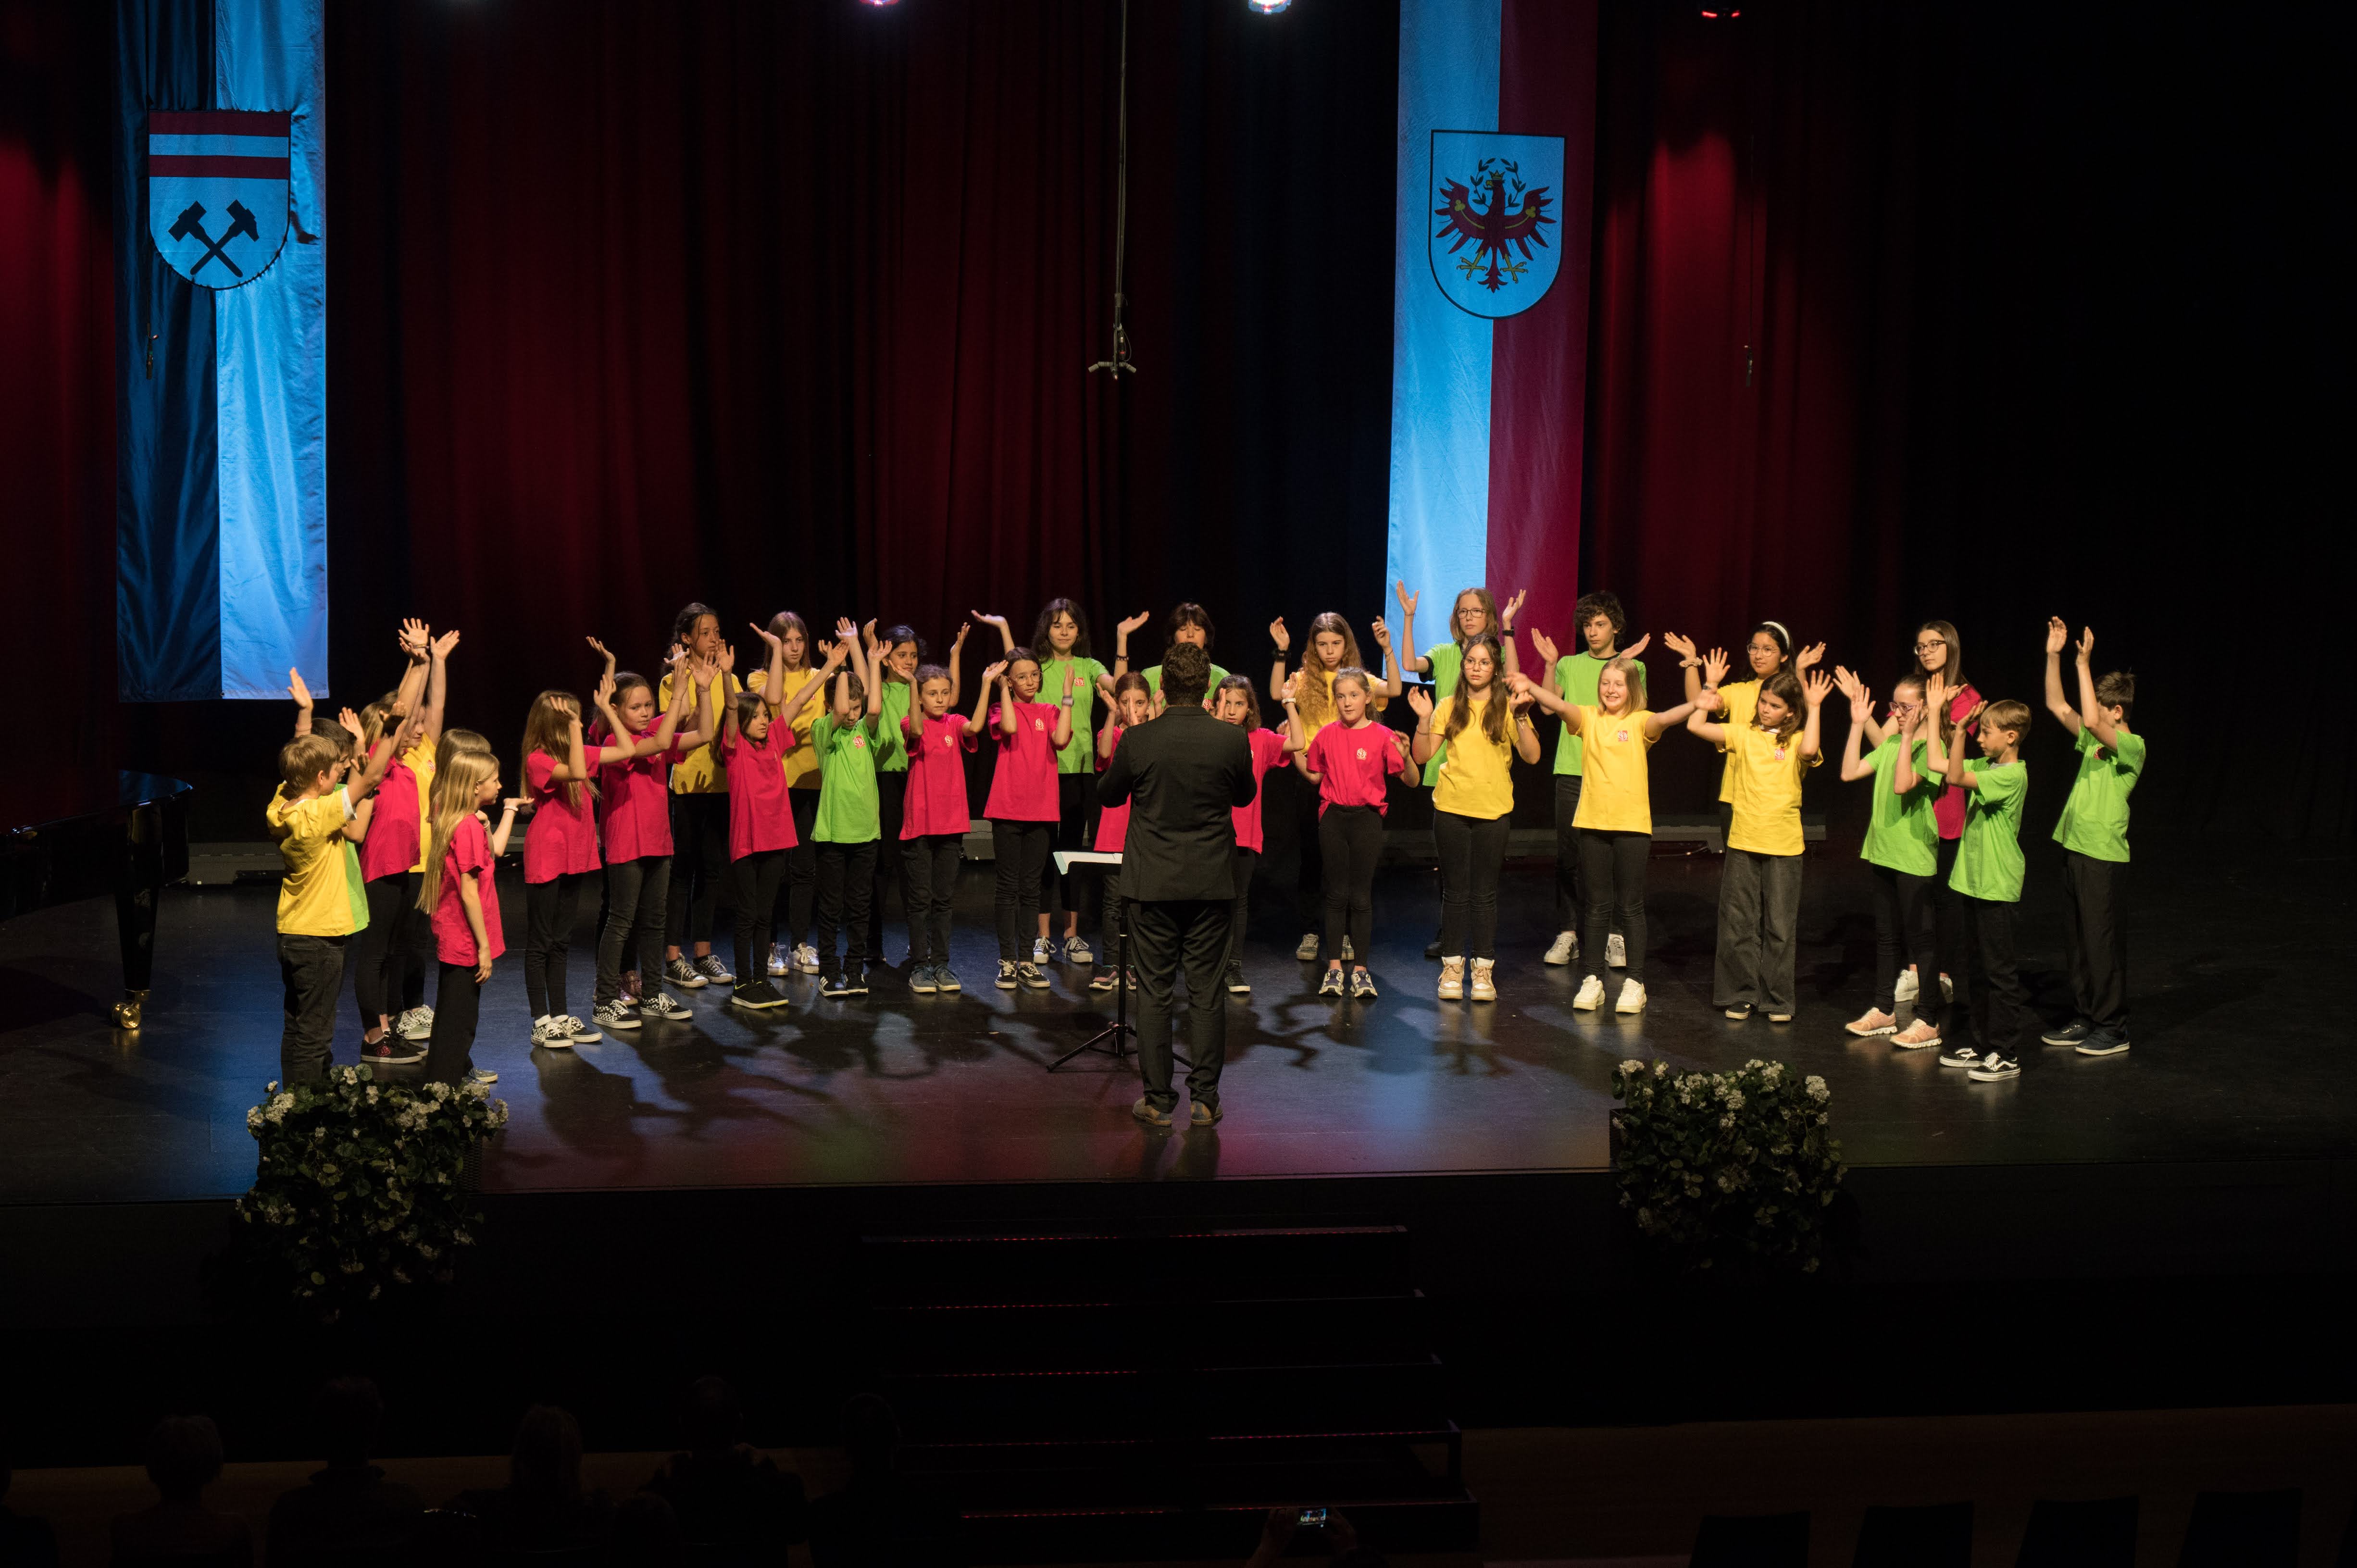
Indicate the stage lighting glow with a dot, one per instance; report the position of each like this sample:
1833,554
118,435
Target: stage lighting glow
1267,7
879,1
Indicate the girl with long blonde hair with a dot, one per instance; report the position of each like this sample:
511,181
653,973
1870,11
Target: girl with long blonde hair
1330,649
462,898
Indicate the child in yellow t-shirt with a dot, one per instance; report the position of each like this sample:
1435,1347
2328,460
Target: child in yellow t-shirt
1760,885
321,902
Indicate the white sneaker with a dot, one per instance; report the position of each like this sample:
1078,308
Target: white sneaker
1482,988
1947,989
1908,986
417,1024
1565,949
781,959
806,959
578,1033
1307,949
1348,956
616,1015
1616,951
1591,994
1043,951
1076,951
550,1032
1632,997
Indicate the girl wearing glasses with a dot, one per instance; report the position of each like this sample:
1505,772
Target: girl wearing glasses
1769,651
1939,652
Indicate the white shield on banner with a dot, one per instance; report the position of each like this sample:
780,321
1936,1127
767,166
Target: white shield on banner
1493,244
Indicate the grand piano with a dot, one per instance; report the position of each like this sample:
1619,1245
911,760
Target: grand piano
67,834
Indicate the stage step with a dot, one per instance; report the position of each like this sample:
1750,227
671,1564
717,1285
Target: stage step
1086,1392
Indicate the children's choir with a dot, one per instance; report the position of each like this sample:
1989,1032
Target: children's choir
831,776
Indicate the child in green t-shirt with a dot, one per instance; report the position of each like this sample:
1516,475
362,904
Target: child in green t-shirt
2094,834
1901,849
1987,876
848,828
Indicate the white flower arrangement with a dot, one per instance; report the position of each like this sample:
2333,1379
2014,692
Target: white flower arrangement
1727,1169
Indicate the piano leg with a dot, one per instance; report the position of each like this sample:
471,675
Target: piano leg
138,888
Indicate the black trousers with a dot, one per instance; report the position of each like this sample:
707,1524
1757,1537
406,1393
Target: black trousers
929,866
1988,984
633,925
312,971
1472,855
381,953
1758,932
1021,855
1076,813
699,865
846,877
1309,872
1947,917
1166,936
891,867
549,910
1349,842
1904,934
1612,873
1244,863
458,1004
758,876
799,897
2098,938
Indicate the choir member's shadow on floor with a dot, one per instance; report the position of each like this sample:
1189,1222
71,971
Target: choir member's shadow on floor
586,1108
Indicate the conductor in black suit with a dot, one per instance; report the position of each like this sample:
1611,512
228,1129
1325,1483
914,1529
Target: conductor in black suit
1185,773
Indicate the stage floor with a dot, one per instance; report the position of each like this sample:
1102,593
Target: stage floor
2240,1052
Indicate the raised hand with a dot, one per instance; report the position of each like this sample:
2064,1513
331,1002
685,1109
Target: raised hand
1682,645
769,637
1131,623
1383,634
2058,636
443,644
516,803
959,640
1637,647
1935,696
602,652
1511,608
351,721
1284,693
1278,634
1407,601
414,638
998,621
2086,643
996,670
1807,658
1543,646
1714,667
605,694
1419,701
1815,687
297,689
836,652
726,659
844,632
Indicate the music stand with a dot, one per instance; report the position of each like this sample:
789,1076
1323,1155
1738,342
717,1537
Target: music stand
1113,1039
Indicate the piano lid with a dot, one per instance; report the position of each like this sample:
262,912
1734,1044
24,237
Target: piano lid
48,798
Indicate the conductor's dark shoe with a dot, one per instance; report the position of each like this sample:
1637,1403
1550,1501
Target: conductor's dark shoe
1144,1111
1432,950
1203,1113
2070,1034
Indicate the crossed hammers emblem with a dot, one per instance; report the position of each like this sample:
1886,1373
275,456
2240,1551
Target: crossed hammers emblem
192,221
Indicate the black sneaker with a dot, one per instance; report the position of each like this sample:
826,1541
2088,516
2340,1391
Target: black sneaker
2070,1034
757,994
1237,984
2105,1043
1028,974
392,1051
1962,1056
685,975
662,1008
1995,1069
1432,950
1006,981
855,975
833,983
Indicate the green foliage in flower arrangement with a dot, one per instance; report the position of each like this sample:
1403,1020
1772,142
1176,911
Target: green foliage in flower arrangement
1727,1170
359,1186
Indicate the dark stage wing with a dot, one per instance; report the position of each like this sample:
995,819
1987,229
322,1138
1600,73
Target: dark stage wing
73,834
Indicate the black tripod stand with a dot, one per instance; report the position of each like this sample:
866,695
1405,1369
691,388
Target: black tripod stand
1114,1037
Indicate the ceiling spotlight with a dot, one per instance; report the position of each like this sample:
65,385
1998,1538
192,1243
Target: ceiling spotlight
1267,7
879,1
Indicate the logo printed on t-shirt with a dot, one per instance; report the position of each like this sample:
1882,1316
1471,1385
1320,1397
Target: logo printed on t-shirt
1620,734
1038,723
1780,754
860,740
1362,754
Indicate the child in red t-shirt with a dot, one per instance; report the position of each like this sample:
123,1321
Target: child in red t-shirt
757,733
1234,701
1350,761
933,816
459,894
1133,704
1024,805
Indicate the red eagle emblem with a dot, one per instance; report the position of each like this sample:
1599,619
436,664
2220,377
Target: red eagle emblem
1495,211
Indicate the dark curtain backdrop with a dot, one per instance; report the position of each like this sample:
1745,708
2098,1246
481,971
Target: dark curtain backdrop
788,305
2036,303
